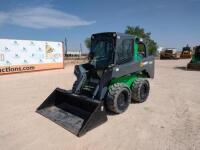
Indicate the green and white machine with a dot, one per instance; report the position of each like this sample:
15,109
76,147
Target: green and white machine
115,75
195,62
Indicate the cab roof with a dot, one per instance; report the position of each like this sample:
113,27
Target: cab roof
117,33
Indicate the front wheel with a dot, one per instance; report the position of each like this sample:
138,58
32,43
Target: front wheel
119,98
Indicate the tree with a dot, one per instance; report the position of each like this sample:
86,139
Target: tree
88,43
146,36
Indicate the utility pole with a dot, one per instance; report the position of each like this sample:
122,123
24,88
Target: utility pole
80,52
66,46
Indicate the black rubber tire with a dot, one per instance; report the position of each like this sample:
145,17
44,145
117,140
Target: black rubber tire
118,98
140,90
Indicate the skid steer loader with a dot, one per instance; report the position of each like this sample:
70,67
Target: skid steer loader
195,62
115,75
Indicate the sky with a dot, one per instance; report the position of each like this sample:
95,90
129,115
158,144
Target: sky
172,23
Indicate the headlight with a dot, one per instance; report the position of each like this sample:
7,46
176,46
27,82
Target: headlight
141,40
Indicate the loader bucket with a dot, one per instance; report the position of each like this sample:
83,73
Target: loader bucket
77,114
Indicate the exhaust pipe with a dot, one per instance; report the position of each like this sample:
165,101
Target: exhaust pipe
77,114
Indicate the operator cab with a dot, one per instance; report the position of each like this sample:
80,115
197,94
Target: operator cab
186,49
111,48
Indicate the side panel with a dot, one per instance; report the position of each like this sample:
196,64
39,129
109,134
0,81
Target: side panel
128,80
146,65
196,55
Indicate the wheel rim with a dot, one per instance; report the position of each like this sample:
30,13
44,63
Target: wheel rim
122,101
144,91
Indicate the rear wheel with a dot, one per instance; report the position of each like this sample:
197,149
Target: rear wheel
119,98
140,90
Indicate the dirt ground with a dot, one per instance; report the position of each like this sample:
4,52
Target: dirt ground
168,120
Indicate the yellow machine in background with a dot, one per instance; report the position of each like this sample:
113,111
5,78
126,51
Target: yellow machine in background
168,53
186,52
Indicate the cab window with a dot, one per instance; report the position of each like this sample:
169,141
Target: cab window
125,51
142,49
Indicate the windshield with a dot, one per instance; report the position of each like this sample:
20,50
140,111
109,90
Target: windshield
101,48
